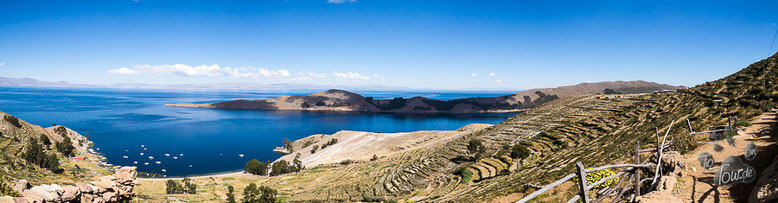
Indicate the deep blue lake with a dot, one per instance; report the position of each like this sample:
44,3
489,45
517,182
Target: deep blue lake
119,121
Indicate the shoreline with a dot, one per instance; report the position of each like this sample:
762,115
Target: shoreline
218,174
210,106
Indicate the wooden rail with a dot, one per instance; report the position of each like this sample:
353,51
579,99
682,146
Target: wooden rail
631,169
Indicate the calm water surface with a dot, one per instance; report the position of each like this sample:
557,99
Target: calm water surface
119,121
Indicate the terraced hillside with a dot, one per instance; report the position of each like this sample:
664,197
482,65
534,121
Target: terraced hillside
595,132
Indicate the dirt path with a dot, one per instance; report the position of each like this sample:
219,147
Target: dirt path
695,184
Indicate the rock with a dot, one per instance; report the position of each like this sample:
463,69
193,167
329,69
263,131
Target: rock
84,188
109,196
32,195
7,199
103,185
71,193
45,193
663,193
21,185
126,174
673,160
25,200
98,200
766,189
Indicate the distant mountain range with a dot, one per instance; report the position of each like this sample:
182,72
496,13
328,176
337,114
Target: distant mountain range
341,100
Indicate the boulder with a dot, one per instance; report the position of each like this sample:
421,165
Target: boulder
766,189
29,194
104,185
126,174
71,193
45,193
110,197
673,160
21,185
25,200
7,199
84,188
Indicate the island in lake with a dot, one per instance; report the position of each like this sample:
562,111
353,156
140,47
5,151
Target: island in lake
341,100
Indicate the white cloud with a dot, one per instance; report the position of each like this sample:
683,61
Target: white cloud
2,63
498,80
209,71
239,72
123,71
350,75
492,74
340,1
473,74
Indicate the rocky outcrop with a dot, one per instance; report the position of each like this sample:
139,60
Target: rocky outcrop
766,189
114,188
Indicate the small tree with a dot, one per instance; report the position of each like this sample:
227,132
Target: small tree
45,140
256,167
305,105
230,194
173,187
268,194
477,148
288,145
250,193
280,167
320,103
519,151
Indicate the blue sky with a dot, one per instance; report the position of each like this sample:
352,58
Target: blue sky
505,45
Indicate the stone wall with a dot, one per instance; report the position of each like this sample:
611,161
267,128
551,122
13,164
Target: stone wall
114,188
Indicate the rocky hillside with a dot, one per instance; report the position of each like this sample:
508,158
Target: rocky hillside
339,100
58,161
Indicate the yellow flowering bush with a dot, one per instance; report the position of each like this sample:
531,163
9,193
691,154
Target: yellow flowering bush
592,177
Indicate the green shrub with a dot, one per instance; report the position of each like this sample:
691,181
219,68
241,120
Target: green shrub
465,174
256,167
742,123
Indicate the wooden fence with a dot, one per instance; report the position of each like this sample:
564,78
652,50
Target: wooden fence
630,175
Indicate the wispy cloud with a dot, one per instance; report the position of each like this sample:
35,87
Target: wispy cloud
351,75
473,74
492,74
215,70
498,80
340,1
2,63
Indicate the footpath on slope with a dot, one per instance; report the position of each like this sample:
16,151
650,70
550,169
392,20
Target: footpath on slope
693,183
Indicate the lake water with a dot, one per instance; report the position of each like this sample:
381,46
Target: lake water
119,121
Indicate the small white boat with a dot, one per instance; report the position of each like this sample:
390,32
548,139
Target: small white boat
241,155
181,155
151,157
144,149
220,154
147,163
126,150
163,170
158,162
175,157
125,157
167,155
98,149
141,153
135,162
143,146
190,166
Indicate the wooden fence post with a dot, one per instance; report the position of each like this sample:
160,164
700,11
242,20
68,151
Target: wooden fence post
582,182
636,175
659,147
